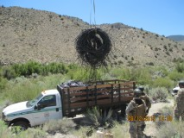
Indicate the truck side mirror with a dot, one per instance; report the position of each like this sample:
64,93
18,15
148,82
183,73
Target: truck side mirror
37,107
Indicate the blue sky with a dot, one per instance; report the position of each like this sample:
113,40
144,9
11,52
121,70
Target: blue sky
164,17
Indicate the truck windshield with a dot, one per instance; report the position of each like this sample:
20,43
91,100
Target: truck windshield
34,101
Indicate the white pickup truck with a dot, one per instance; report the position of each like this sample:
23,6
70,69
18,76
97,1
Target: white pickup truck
70,101
35,112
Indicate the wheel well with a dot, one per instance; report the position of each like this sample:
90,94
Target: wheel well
20,119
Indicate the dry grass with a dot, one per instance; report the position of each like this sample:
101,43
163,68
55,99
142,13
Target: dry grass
63,126
172,129
118,131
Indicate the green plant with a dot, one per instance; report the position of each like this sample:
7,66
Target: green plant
23,89
3,82
180,67
32,67
176,76
85,74
8,72
140,75
98,117
162,82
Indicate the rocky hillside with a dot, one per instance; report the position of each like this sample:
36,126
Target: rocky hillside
28,34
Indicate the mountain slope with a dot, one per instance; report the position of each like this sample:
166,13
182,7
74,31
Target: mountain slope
176,37
28,34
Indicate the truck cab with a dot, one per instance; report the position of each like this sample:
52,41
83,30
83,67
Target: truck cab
26,114
175,91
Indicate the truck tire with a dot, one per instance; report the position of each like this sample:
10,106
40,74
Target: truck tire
22,124
123,113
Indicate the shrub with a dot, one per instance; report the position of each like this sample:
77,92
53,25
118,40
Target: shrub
23,89
165,47
97,118
32,67
8,72
140,75
162,82
180,67
3,83
176,76
84,74
159,94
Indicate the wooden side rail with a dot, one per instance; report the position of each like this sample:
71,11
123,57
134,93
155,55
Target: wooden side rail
76,99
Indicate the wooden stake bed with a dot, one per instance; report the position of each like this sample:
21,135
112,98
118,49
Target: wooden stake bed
107,94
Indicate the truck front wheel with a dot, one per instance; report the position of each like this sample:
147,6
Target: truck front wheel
22,125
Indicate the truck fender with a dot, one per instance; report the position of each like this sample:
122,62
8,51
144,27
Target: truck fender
20,122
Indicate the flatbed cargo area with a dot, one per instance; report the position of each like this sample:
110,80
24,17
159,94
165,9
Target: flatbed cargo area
103,94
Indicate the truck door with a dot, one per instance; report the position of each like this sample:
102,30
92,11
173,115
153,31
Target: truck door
47,109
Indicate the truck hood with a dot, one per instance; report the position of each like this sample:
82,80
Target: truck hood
15,108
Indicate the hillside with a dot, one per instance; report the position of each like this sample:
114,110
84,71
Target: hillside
28,34
177,38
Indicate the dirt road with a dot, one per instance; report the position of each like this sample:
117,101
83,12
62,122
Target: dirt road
151,128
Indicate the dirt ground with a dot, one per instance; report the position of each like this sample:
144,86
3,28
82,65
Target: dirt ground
151,129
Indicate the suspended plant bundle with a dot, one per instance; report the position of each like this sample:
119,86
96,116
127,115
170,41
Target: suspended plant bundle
93,46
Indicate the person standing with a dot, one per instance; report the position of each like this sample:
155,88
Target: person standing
146,98
136,112
179,108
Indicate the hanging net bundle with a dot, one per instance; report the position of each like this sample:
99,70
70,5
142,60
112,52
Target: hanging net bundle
93,46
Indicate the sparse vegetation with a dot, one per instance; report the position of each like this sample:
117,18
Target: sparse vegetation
159,94
63,126
173,129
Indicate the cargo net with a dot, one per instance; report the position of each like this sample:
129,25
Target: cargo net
93,46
